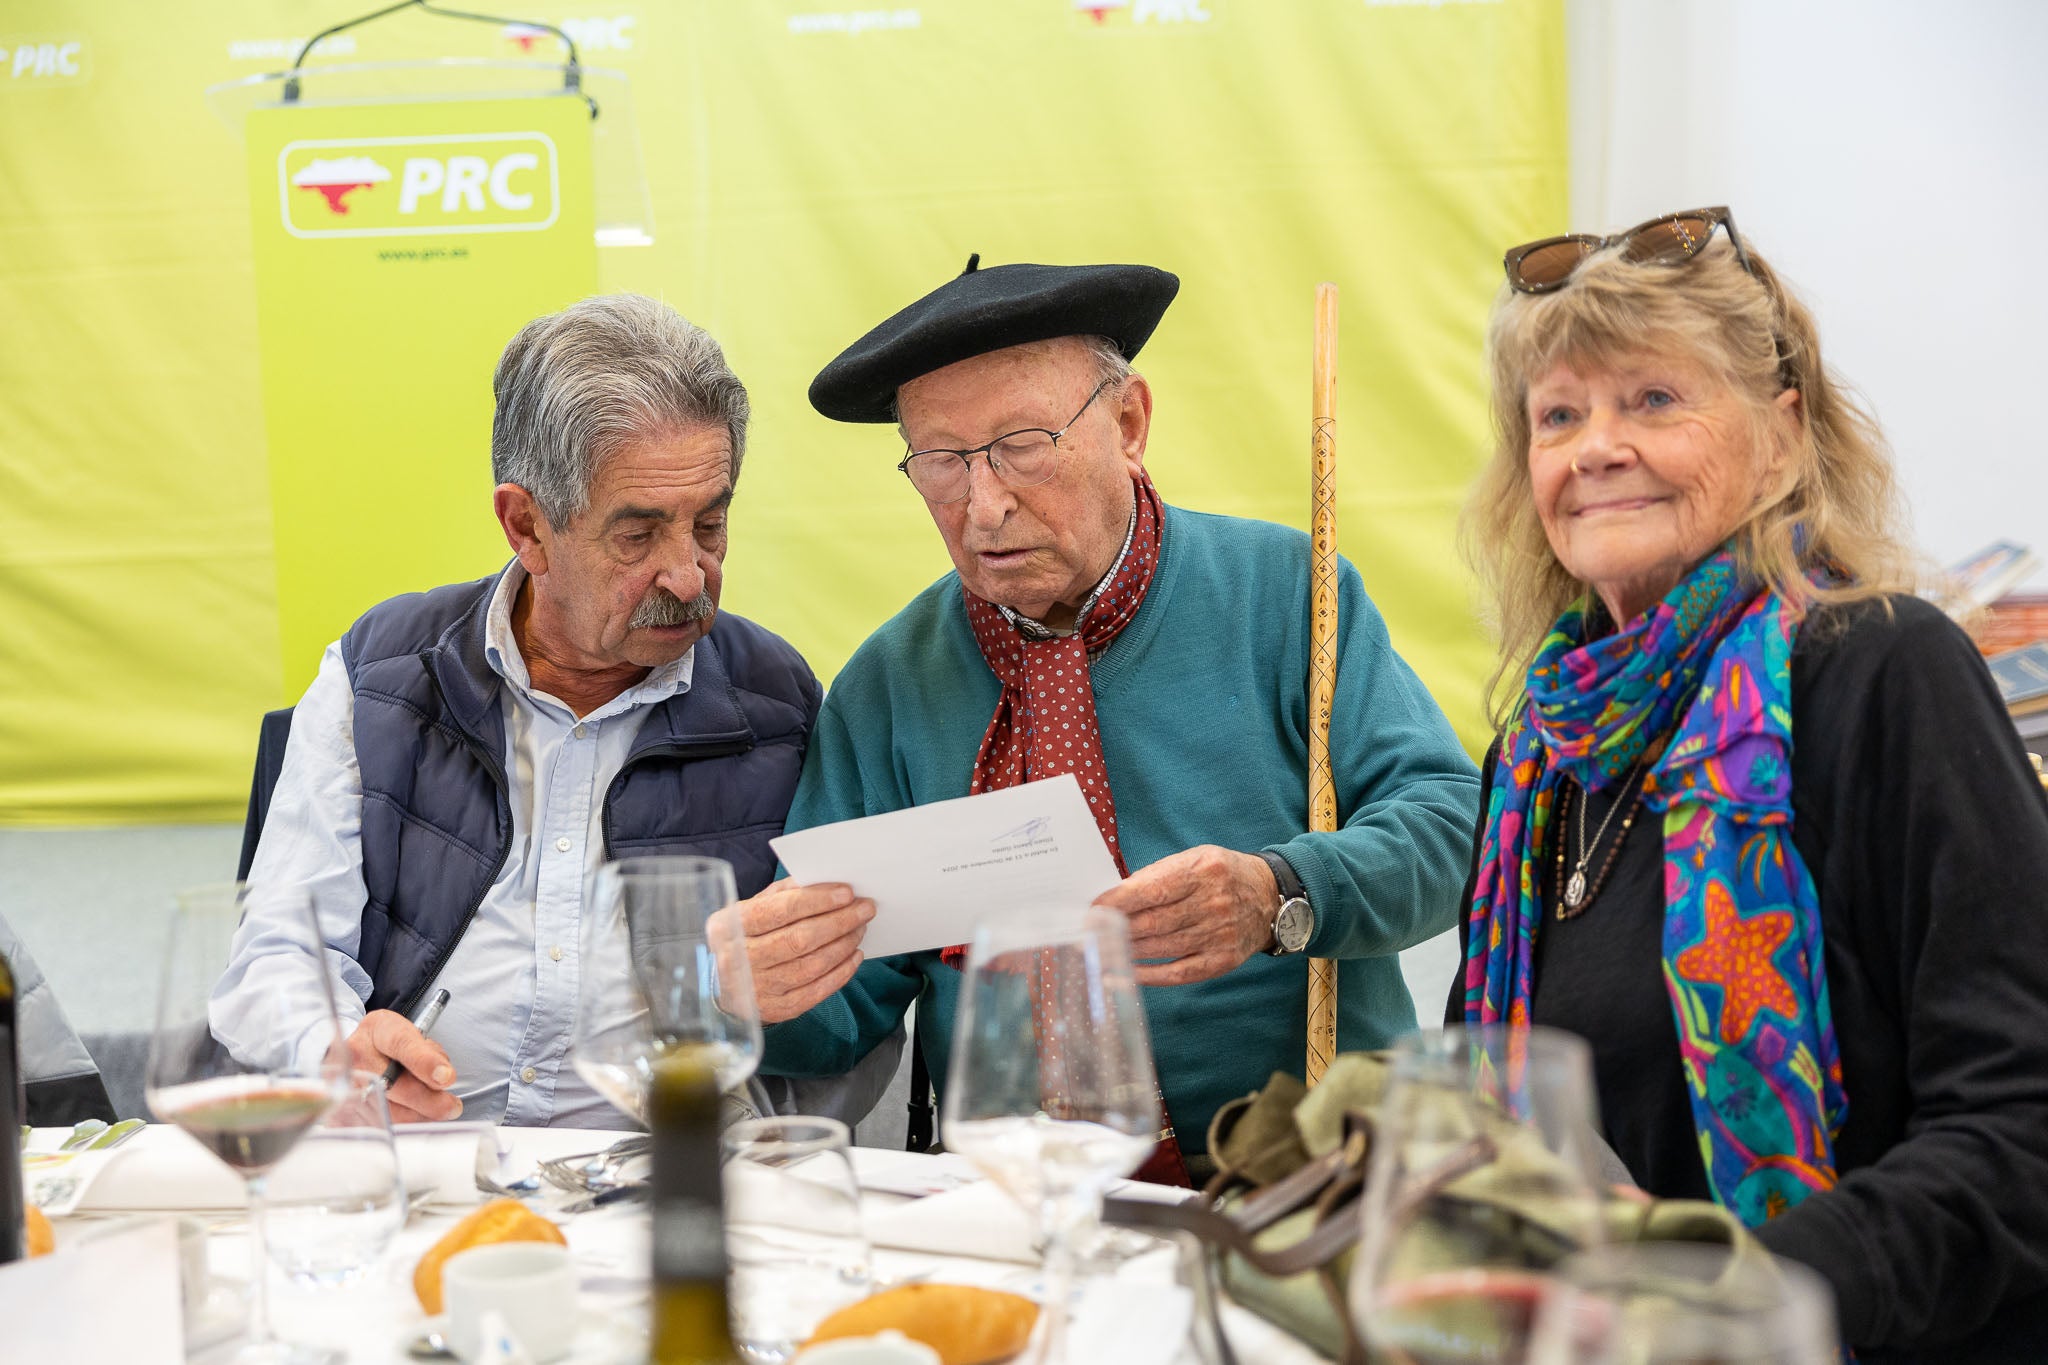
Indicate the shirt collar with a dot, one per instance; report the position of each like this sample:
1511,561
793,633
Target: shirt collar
1036,630
501,651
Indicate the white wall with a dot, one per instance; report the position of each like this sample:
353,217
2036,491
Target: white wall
1891,158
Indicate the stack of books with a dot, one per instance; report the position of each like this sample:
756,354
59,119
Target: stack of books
2022,676
2014,621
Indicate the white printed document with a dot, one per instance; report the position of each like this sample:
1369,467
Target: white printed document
936,871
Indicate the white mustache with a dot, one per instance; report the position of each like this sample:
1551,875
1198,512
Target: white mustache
663,608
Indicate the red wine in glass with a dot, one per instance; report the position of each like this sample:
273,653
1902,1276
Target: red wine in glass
1457,1317
250,1122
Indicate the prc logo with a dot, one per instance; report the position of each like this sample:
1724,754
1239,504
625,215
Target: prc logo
32,63
1102,14
415,186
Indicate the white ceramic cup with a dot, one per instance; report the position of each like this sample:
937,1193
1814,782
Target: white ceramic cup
532,1285
884,1348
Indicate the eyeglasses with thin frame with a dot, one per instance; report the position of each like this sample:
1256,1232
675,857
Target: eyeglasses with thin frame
1542,266
1019,458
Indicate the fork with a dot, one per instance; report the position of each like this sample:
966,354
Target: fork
582,1172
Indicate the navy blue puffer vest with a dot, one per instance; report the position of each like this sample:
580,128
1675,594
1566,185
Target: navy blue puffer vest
711,771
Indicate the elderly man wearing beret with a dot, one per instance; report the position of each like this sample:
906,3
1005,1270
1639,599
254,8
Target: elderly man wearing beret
1175,644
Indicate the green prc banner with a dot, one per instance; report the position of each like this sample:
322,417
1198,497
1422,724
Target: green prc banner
397,247
174,553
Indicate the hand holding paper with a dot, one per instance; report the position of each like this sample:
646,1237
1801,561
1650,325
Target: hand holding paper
803,944
935,871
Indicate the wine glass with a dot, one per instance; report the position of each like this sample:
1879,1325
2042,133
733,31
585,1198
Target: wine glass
1684,1303
664,967
1481,1179
248,1100
1051,1090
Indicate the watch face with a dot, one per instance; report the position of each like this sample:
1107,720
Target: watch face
1293,925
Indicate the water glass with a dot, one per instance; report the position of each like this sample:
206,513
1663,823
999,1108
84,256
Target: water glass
1669,1303
338,1200
792,1231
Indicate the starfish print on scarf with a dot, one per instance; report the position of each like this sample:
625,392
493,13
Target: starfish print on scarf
1736,955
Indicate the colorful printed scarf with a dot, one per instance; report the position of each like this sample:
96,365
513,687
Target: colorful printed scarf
1743,959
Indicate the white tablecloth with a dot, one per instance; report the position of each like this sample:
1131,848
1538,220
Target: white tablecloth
373,1318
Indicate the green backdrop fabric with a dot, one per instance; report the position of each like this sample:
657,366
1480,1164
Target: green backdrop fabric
810,170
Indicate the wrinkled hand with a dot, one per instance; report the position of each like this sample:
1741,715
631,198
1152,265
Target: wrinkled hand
803,943
1198,913
419,1094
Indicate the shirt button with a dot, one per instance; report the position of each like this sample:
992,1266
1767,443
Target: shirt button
556,952
528,1074
578,732
562,844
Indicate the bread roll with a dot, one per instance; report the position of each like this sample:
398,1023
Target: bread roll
966,1326
42,1238
501,1220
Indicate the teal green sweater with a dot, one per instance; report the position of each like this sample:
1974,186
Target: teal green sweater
1203,702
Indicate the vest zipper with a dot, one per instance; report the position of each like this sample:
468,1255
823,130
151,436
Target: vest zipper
497,772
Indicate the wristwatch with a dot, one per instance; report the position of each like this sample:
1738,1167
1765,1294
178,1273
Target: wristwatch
1295,921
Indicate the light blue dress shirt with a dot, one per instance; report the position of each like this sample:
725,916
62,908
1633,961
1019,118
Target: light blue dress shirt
512,979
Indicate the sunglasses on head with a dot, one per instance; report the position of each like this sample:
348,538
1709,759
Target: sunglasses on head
1541,266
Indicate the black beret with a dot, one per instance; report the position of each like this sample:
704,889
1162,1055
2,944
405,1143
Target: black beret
980,311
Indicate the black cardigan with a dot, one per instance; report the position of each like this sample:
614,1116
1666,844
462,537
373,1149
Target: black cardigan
1926,833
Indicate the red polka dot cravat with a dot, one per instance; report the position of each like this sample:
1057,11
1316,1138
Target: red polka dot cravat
1045,725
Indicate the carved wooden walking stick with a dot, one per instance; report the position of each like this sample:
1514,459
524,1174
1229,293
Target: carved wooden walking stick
1322,655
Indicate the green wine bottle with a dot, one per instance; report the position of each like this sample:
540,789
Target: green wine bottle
691,1320
13,1113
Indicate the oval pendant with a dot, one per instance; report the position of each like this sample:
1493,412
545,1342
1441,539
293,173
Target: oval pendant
1575,890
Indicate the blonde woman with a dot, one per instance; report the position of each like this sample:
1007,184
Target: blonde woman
1756,824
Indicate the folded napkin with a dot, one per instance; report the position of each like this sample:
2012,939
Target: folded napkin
163,1168
981,1220
1131,1322
915,1175
57,1307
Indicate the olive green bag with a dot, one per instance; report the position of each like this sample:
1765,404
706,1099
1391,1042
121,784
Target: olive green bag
1279,1222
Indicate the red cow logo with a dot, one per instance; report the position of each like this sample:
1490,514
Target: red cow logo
1100,10
333,180
524,36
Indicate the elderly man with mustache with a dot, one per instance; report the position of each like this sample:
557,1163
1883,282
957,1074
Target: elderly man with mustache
468,756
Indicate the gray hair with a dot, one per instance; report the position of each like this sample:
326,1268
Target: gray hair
1108,357
575,386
